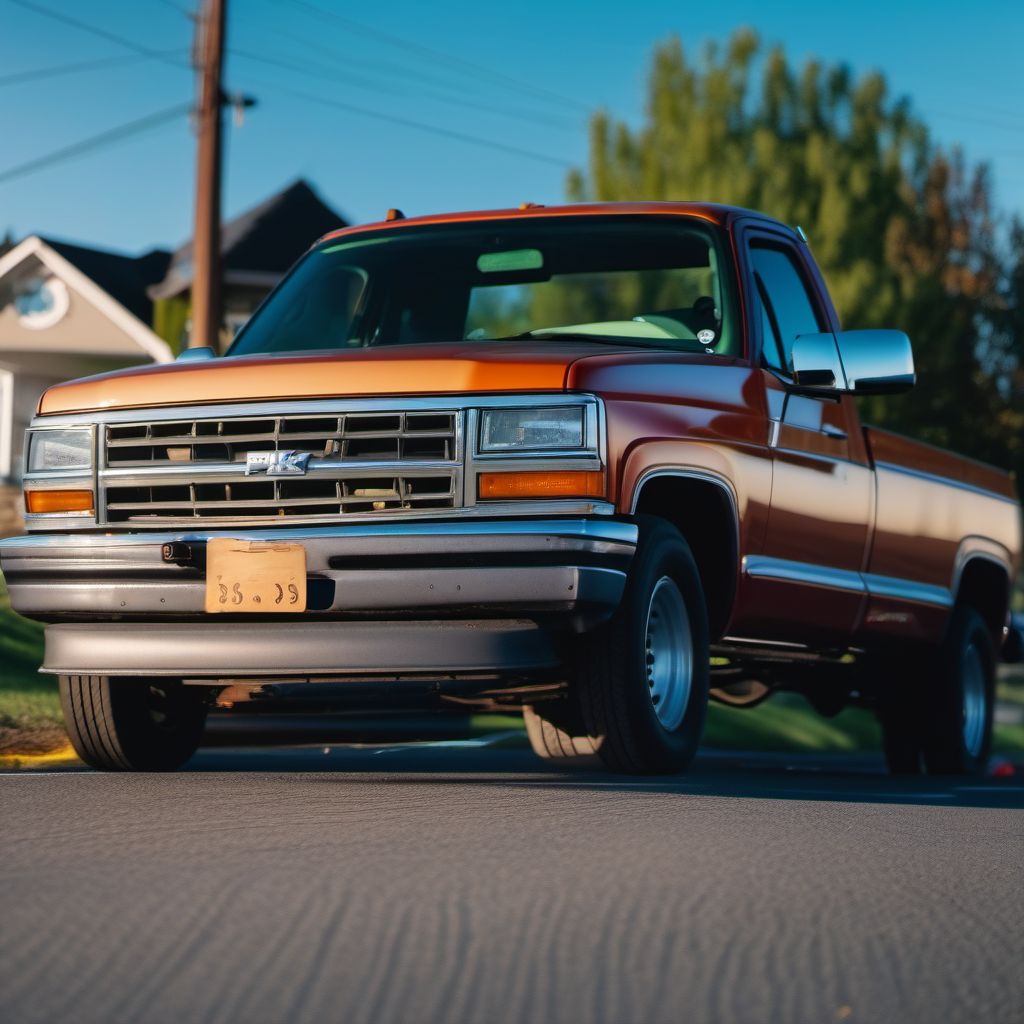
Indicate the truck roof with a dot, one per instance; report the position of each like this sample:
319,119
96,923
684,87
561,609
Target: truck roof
716,213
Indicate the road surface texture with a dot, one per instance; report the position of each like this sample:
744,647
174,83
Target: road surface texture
456,883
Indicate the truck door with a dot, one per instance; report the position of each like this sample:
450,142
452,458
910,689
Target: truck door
806,581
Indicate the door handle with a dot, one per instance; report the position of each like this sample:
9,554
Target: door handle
837,433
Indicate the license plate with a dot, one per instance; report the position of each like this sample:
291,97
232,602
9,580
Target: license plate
255,576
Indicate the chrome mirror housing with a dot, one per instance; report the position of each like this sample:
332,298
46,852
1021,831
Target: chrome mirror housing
857,362
877,362
816,363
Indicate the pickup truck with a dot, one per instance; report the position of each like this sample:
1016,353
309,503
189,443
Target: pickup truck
597,462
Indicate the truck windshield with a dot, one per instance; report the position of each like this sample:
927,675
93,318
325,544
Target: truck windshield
626,281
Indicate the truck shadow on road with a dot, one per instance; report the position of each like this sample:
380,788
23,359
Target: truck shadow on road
753,776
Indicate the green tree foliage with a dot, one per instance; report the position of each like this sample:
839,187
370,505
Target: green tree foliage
170,318
904,231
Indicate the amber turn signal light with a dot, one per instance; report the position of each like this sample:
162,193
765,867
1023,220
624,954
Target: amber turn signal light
569,484
58,501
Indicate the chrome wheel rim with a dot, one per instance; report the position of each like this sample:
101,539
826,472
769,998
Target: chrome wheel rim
668,654
975,700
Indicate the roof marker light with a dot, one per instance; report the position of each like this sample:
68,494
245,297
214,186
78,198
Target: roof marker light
394,214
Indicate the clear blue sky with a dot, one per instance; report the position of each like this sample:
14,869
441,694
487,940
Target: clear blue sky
961,64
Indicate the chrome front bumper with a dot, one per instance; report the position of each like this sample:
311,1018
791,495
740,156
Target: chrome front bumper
143,593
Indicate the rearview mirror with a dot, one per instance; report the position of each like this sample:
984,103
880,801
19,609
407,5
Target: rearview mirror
857,362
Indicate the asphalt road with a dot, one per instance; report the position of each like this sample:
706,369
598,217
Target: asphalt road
454,883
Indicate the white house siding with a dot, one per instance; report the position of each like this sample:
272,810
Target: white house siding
95,334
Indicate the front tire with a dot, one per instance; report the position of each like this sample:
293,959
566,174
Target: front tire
132,725
644,679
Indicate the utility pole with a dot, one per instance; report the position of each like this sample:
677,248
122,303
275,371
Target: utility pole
206,272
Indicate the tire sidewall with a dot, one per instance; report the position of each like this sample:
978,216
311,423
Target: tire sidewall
944,748
662,552
111,725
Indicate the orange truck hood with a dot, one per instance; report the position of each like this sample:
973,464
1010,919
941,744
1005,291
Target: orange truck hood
400,370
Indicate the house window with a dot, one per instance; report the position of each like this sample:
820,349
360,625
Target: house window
41,303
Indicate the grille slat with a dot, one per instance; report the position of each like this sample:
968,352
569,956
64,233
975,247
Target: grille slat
190,439
363,463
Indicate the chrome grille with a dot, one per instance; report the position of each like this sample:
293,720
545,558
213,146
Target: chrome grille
179,471
377,437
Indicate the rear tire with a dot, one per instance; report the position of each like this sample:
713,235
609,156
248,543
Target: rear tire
900,704
961,698
644,677
125,725
935,707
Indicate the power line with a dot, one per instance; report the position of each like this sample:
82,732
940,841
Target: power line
56,70
974,119
102,33
377,66
105,138
492,76
303,68
143,124
449,60
331,74
407,122
391,70
972,108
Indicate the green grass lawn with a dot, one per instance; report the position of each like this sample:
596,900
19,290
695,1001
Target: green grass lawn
30,717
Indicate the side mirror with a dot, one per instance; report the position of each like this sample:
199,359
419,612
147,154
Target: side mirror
858,362
816,363
186,354
877,362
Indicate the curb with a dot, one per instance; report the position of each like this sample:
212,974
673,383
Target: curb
65,754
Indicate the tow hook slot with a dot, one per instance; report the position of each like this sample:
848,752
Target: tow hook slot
181,553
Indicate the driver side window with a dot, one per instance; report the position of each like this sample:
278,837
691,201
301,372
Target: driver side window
787,306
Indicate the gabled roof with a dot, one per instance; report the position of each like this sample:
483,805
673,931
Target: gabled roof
258,246
126,278
113,283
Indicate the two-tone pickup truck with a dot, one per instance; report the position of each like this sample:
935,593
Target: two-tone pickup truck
598,462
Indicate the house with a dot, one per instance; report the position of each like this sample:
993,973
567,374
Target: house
67,311
257,249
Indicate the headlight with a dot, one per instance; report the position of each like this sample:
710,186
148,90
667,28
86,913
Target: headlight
69,448
554,429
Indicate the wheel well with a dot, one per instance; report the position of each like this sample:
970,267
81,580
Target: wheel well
985,586
704,514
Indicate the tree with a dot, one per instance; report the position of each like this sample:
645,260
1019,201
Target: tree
904,231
